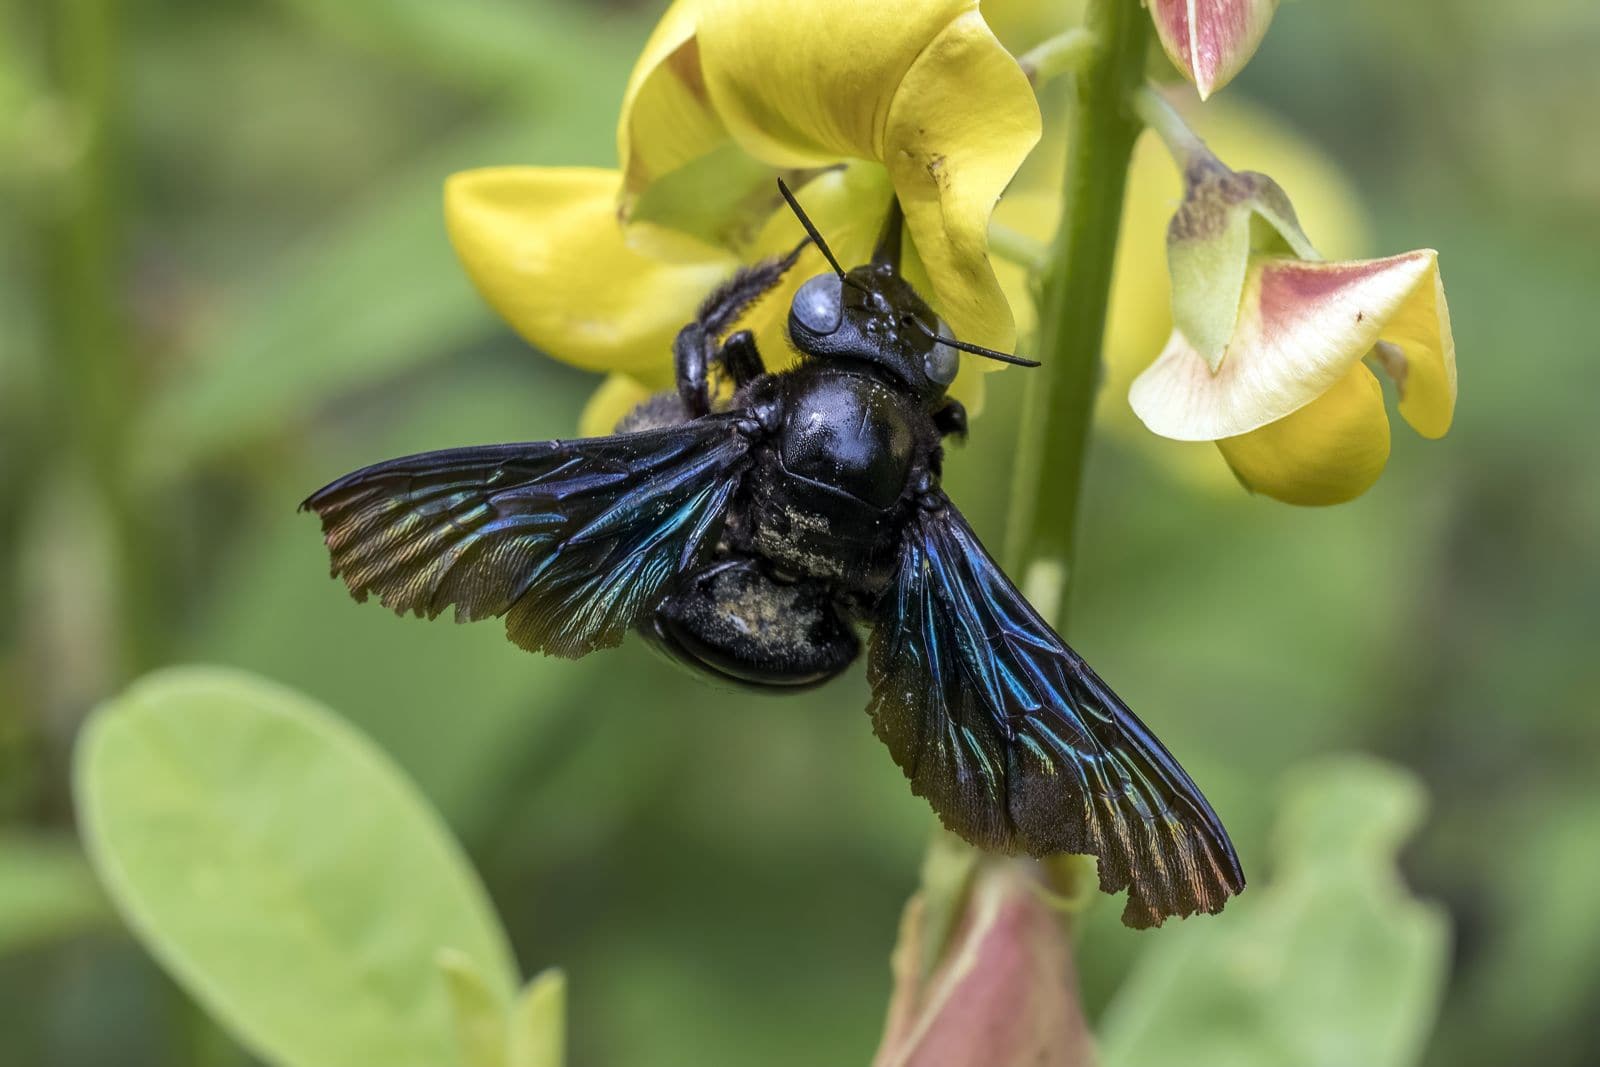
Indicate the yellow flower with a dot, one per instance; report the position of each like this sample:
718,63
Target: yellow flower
853,103
1211,40
1270,348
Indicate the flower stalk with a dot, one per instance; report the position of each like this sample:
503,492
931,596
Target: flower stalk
1059,406
79,238
1061,54
1157,113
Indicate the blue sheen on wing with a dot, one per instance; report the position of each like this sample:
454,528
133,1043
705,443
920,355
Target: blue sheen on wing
572,541
1018,744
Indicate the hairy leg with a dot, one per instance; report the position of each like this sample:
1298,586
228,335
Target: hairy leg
698,346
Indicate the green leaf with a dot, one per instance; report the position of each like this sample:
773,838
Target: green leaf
282,870
1332,963
538,1023
531,1033
479,1011
47,891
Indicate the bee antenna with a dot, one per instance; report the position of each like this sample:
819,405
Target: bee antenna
816,238
977,350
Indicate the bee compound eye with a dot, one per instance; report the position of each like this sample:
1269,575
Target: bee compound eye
819,304
942,361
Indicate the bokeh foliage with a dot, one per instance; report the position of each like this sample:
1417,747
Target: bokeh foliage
720,875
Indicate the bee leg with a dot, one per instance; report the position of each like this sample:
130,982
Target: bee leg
695,350
691,353
748,284
736,622
951,420
741,359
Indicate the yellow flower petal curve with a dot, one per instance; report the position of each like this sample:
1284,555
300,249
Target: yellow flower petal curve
809,84
963,120
1421,329
543,247
1330,451
924,88
667,119
1302,326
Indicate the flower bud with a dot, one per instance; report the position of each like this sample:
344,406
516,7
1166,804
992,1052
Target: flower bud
995,987
1211,40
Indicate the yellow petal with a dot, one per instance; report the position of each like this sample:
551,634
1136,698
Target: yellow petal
667,119
1302,326
923,88
1328,452
687,187
969,387
1033,213
809,84
617,395
1421,329
543,247
1211,40
961,124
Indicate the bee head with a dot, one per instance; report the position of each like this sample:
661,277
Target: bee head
872,315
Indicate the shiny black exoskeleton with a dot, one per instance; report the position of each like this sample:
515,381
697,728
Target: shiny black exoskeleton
850,442
753,538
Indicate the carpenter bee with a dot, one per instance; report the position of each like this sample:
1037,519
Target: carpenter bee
750,538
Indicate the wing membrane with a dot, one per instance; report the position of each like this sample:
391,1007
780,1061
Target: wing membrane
1019,746
572,541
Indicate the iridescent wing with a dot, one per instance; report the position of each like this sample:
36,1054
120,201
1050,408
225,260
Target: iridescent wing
572,541
1018,745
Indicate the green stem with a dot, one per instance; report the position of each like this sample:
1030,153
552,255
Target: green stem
1155,112
92,380
1053,444
1013,246
1061,54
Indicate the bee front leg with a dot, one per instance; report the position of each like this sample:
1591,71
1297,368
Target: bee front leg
696,350
691,353
695,354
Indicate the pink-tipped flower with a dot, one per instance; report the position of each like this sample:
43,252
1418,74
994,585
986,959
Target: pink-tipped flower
1273,350
995,986
1211,40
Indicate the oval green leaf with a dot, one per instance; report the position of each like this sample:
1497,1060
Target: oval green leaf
1332,962
282,870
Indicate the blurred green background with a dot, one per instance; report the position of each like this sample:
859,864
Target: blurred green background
224,280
